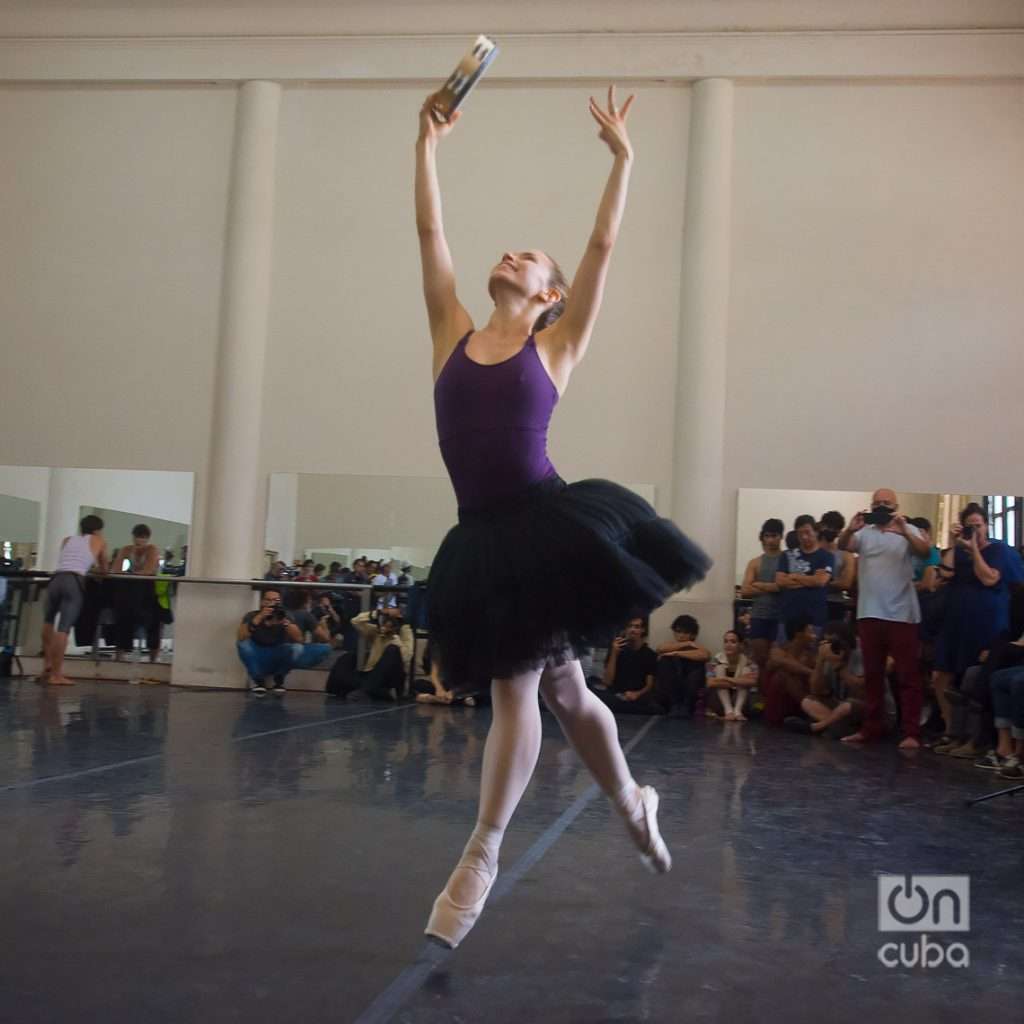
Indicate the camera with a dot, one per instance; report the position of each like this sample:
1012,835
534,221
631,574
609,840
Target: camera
880,516
277,612
967,532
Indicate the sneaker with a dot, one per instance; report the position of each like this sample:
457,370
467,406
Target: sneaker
991,762
258,690
1012,769
279,688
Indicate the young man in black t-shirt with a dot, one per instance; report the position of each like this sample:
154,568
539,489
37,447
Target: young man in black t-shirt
628,684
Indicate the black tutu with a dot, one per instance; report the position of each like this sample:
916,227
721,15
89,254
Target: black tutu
548,572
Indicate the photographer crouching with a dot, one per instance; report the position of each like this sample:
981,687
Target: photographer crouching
270,643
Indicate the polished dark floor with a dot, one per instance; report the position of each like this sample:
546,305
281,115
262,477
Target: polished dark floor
179,856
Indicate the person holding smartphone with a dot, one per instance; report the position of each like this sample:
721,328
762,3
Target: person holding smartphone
629,670
888,613
979,571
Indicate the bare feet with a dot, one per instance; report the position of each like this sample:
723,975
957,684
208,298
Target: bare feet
739,717
855,737
60,681
909,743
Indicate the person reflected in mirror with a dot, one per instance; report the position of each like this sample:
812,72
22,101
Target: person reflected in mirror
308,573
135,604
761,589
65,594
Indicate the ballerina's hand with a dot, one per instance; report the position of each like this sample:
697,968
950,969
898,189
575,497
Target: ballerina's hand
432,128
613,124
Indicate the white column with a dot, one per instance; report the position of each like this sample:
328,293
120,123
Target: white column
59,517
700,393
235,493
231,497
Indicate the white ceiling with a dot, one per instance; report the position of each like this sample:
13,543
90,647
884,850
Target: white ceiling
416,17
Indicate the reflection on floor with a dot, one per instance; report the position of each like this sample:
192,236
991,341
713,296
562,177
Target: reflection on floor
182,856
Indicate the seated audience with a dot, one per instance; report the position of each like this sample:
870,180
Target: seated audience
679,677
270,644
1008,704
627,686
803,576
799,668
731,675
383,675
760,587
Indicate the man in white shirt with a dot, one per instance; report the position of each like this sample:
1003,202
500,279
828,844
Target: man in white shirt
888,614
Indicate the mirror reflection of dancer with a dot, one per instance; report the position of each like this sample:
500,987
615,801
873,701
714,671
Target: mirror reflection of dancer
495,611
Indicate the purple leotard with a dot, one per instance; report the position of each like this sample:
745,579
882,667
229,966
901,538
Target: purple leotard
492,424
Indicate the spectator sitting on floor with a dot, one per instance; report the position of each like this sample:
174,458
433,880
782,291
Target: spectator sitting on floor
679,677
803,576
1008,704
327,616
270,644
972,712
383,675
800,666
731,675
299,603
627,686
434,691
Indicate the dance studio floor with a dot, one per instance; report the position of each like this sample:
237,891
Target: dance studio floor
207,857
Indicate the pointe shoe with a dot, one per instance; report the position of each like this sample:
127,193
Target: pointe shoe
449,922
654,854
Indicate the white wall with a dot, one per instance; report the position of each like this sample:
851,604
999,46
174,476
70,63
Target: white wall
113,212
875,307
349,337
282,514
874,297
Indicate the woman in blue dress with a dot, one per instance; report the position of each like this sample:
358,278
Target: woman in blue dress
980,571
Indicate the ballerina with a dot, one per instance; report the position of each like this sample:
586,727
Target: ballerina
496,612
